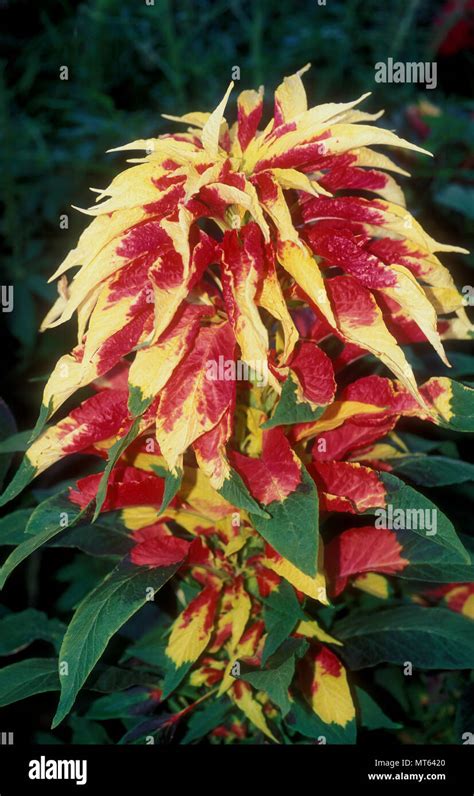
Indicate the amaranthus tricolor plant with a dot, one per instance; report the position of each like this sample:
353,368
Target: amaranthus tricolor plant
267,504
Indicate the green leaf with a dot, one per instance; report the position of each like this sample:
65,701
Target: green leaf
47,520
289,411
107,537
433,470
104,543
403,498
392,680
276,677
26,678
150,648
81,576
302,719
152,726
432,562
98,617
292,529
56,511
19,629
203,721
115,452
430,638
85,731
12,527
235,492
7,428
109,679
44,413
462,365
47,739
137,405
416,444
15,442
172,485
461,406
173,678
281,613
23,476
119,705
37,675
371,715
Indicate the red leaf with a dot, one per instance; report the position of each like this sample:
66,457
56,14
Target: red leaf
127,486
275,474
315,373
160,551
365,549
359,486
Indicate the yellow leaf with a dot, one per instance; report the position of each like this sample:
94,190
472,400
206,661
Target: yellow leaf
196,118
241,695
400,221
329,696
291,179
373,583
301,265
211,129
364,325
414,302
290,96
314,587
192,630
376,160
197,492
311,629
335,415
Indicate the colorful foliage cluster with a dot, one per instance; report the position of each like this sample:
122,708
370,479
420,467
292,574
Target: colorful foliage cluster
286,249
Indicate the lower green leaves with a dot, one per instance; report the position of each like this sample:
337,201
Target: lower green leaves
54,515
371,715
206,719
278,673
428,638
26,678
97,618
281,613
432,470
19,629
303,720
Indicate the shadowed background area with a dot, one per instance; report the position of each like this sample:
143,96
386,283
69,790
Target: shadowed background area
129,61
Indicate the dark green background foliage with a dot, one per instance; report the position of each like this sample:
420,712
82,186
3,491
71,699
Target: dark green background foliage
128,63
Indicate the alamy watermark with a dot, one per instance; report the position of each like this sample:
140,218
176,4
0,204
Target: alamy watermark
7,298
43,768
468,294
395,519
391,71
223,369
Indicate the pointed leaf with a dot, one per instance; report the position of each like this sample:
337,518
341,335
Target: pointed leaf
97,618
430,638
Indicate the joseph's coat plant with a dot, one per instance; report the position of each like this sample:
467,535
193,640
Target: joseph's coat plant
252,505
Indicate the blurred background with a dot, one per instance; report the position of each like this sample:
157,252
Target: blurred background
128,62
